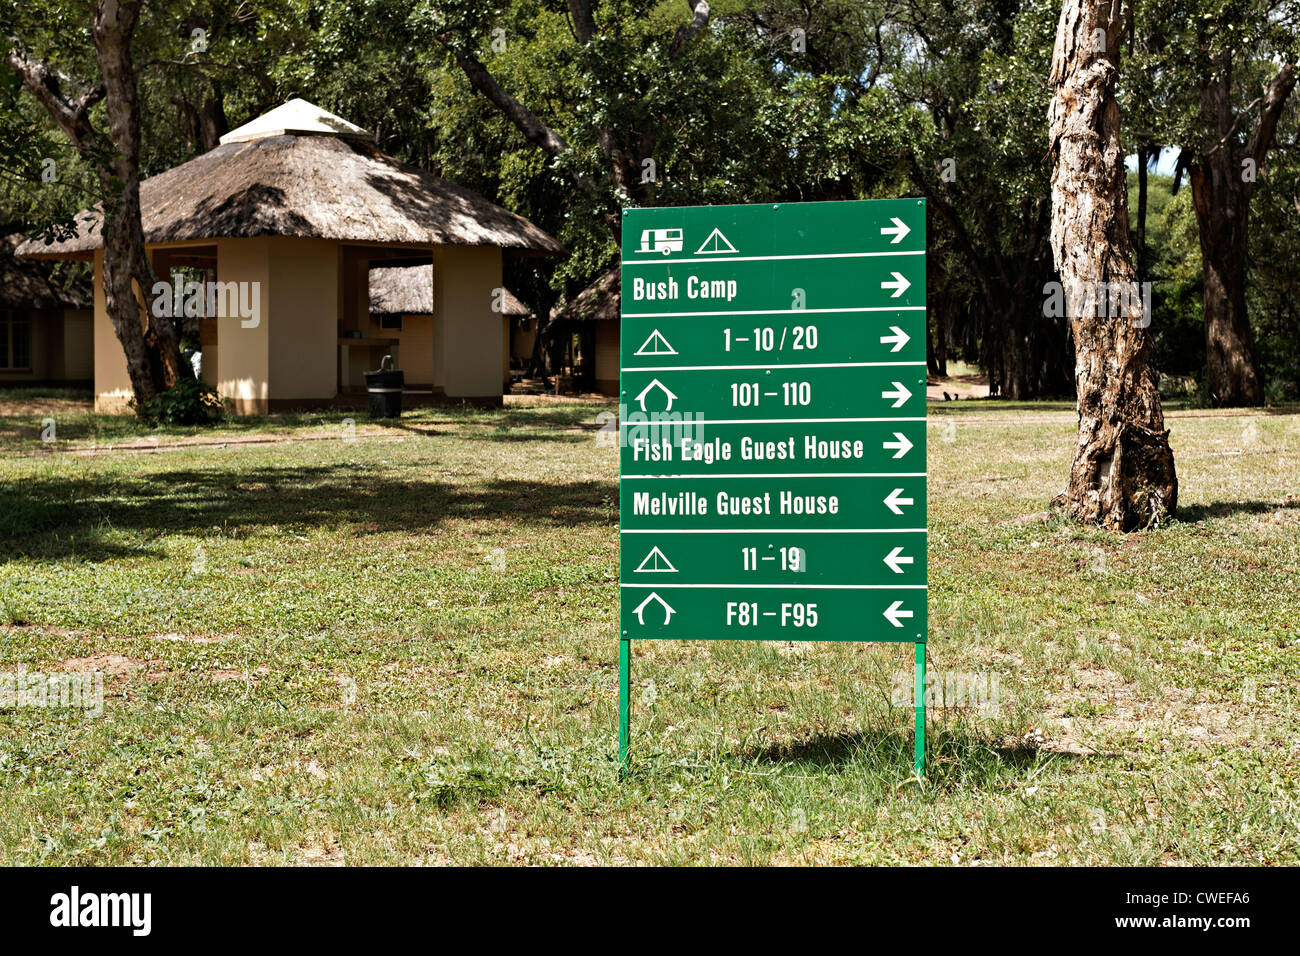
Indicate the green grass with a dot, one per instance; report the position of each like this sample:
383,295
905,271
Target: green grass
400,649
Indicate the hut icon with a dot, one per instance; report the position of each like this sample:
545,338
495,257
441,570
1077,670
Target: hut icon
639,611
650,388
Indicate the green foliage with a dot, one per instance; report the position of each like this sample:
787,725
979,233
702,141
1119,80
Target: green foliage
189,402
778,100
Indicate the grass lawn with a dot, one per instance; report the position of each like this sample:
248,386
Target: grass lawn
328,643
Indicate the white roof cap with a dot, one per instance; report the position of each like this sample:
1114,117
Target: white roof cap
296,118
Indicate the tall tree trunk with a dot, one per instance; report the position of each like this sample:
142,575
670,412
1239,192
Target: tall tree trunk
1222,210
1221,199
151,346
125,261
1222,174
1122,476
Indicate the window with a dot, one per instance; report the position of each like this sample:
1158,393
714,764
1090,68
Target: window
15,342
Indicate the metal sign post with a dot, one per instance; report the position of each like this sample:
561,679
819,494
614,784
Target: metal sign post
772,428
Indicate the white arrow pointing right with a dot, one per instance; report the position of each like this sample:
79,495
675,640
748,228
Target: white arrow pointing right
893,614
899,392
899,285
896,557
898,230
899,338
893,501
902,445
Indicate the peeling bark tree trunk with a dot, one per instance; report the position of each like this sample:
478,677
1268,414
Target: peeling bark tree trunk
1122,476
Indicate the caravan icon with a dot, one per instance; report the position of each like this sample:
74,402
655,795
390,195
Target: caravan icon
666,241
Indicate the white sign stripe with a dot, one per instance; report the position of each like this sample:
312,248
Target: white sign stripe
768,421
813,255
819,587
772,531
723,368
817,474
865,308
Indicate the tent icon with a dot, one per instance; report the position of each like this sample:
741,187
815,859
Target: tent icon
716,244
656,562
656,344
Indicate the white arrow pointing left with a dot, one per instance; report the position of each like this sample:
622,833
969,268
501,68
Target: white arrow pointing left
896,557
899,285
893,501
894,614
903,445
899,392
898,230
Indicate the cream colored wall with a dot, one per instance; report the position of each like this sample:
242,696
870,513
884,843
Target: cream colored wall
78,348
302,319
112,384
243,366
505,353
415,348
468,336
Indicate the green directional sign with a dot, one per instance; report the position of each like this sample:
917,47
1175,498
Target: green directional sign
772,427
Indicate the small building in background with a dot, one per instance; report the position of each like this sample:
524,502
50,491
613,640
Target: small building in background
45,322
403,318
586,331
276,231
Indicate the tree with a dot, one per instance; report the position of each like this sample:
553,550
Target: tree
1222,173
1215,78
151,344
1122,475
981,170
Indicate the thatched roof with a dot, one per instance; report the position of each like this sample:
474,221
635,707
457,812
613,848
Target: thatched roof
408,290
328,185
599,302
28,285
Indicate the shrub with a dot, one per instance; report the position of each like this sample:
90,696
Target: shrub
188,402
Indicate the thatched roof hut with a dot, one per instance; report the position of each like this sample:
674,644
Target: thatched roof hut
599,302
286,218
45,320
28,285
408,290
301,171
591,319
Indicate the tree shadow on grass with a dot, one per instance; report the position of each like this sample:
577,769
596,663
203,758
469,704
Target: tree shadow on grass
951,752
65,516
1226,509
